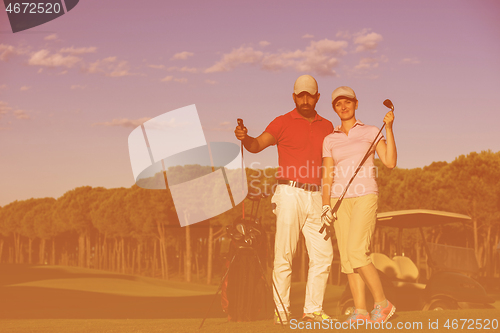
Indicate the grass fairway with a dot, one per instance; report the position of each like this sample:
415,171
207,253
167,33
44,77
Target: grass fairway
68,299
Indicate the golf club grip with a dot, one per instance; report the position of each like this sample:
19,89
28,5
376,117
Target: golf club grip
328,231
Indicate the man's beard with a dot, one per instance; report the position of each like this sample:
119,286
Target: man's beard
306,111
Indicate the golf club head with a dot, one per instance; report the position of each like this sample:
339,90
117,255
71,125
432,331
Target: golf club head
389,104
241,229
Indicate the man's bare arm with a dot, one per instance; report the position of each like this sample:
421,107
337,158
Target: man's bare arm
254,145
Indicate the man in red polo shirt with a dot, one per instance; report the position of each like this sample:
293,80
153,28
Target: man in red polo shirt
299,136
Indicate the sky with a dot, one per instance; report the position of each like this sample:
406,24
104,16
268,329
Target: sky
73,89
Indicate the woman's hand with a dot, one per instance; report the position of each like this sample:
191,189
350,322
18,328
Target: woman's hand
389,119
387,151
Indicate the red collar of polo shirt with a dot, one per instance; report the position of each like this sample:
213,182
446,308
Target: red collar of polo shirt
358,122
296,115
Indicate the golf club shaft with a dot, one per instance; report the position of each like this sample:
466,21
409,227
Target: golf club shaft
339,201
358,168
388,104
240,124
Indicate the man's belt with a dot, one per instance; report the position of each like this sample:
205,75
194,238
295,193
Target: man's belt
307,187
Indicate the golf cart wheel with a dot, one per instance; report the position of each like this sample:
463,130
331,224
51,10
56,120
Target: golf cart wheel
443,304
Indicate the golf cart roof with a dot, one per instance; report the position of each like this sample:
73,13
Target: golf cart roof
416,218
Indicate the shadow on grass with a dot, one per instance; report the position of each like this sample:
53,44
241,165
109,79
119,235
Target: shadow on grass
31,302
51,292
22,273
45,303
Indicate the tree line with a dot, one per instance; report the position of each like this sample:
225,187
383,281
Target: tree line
137,231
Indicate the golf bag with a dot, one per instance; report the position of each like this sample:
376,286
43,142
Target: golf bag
244,295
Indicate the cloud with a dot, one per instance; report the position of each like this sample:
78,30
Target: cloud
24,88
308,36
3,86
343,34
224,126
183,69
320,57
134,123
366,63
171,78
124,122
368,42
80,50
110,67
51,37
7,51
77,86
411,61
160,124
44,58
369,63
182,55
4,108
210,81
229,61
157,66
21,114
264,43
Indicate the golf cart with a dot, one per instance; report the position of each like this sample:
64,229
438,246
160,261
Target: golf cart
449,286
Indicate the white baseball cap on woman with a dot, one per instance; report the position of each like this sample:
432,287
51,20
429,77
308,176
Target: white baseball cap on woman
343,92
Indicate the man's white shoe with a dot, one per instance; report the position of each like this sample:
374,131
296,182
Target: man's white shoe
317,316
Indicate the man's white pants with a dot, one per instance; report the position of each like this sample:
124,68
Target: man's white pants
299,210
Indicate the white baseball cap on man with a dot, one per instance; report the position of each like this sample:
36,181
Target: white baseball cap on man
343,92
305,83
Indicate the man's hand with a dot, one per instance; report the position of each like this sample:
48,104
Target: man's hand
326,215
240,133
